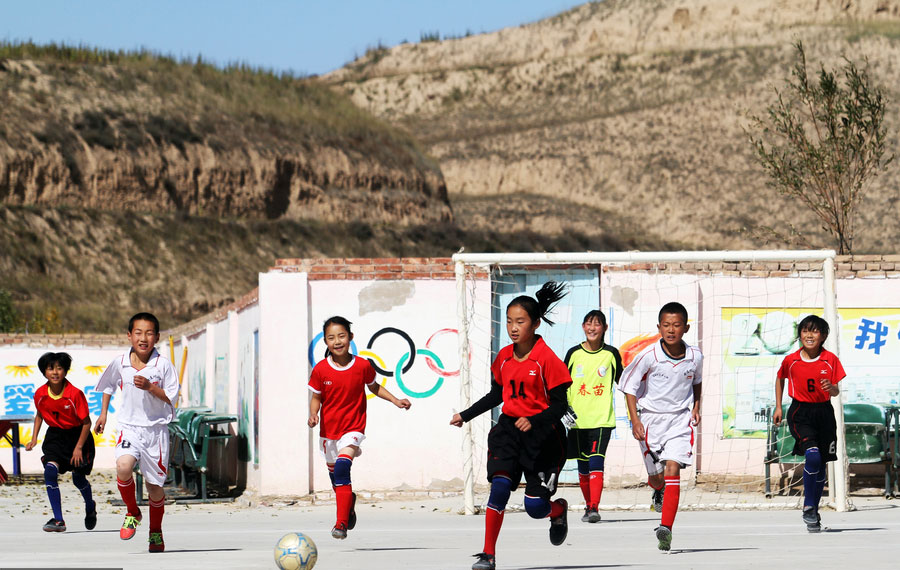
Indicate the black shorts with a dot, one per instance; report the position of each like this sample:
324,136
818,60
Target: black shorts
813,425
58,446
586,443
539,454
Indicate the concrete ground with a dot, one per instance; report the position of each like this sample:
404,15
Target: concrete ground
431,534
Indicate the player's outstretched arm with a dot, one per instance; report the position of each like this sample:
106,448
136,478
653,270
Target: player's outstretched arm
101,419
315,404
637,428
38,422
695,410
779,393
383,393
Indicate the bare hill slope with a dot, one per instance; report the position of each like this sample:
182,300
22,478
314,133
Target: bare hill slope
635,108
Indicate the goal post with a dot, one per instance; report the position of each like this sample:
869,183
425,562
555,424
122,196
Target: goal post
721,288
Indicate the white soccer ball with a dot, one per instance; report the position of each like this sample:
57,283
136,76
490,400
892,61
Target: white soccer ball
296,551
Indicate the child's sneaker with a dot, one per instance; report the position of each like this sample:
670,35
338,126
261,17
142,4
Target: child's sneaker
129,527
54,525
812,519
156,542
339,532
90,517
657,500
593,516
559,526
351,521
485,562
664,536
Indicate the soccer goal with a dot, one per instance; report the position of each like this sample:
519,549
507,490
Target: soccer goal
743,309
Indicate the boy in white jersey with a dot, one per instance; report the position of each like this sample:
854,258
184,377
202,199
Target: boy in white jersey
664,379
149,386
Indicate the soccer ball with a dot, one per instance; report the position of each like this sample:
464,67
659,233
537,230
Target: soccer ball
296,551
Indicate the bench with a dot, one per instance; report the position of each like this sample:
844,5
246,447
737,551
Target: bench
867,429
192,434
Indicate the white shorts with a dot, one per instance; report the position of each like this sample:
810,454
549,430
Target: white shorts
670,437
331,447
150,446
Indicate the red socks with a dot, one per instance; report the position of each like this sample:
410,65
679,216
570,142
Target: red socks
584,481
493,520
670,500
596,489
156,514
344,496
127,491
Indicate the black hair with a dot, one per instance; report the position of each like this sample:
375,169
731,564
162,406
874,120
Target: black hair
143,317
813,323
61,358
595,314
336,320
547,297
673,308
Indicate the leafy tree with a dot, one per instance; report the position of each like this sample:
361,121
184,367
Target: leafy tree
821,141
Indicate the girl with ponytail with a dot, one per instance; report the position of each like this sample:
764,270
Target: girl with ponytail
529,440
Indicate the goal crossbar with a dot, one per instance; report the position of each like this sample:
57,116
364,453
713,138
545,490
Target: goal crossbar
461,259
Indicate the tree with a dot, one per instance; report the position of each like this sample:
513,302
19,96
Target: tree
821,142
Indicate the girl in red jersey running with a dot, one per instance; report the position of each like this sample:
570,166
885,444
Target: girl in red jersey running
813,374
531,382
336,384
68,445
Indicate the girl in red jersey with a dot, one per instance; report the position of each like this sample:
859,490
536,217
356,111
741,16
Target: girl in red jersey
336,384
68,445
812,374
531,382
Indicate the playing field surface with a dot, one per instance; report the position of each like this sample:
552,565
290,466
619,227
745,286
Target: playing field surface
429,533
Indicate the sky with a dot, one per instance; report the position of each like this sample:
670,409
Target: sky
301,36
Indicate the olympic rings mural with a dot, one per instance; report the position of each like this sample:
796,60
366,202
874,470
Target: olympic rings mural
404,363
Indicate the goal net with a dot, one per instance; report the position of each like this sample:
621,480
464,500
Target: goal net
743,309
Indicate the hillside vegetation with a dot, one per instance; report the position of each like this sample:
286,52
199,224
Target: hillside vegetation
637,108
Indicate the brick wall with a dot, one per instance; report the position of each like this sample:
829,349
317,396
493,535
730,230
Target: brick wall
358,268
62,340
846,267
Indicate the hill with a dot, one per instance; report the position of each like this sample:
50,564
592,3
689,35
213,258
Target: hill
636,109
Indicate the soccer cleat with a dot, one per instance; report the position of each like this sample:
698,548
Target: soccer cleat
54,525
339,532
664,536
485,562
90,517
156,542
812,519
586,517
593,516
657,500
559,526
129,526
351,521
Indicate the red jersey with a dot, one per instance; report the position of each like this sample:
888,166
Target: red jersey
65,411
526,383
343,395
805,376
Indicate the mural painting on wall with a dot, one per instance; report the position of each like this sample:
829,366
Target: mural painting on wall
19,379
756,340
394,354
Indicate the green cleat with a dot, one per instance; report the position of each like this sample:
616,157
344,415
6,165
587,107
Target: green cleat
664,536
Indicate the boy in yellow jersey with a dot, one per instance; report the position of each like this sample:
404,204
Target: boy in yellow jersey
593,366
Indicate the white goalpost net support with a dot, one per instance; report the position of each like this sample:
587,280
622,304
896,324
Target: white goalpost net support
743,308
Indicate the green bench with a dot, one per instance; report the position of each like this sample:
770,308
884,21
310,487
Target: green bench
192,433
868,430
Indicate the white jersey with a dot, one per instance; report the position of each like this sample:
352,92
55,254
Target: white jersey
138,407
663,384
